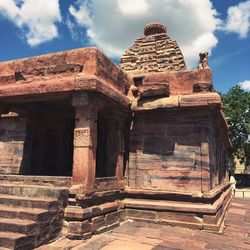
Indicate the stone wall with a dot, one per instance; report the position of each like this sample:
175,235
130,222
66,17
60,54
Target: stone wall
85,216
12,136
169,151
218,148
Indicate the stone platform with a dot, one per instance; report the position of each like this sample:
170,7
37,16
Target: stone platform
135,235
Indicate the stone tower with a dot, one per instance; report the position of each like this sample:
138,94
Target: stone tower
154,52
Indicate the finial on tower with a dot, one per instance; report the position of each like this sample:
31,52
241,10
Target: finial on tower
154,28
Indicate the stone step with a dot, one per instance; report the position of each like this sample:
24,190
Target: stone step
23,213
18,226
57,181
34,190
17,201
10,240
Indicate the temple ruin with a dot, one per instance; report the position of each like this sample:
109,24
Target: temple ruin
86,144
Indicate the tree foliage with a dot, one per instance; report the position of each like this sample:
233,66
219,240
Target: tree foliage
237,110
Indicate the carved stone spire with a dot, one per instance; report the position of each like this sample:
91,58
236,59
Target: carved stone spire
154,52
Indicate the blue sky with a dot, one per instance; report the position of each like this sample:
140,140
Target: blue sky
34,27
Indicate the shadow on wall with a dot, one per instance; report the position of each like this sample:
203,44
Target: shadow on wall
12,137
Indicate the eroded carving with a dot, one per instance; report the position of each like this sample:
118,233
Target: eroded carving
203,63
82,137
203,87
155,52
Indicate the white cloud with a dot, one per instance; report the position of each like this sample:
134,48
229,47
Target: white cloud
245,85
81,14
113,25
36,19
238,19
131,7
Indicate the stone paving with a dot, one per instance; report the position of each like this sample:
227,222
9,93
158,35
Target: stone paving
242,192
144,236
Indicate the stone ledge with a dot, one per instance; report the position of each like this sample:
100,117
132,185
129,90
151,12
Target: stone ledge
194,220
178,101
177,205
212,193
49,86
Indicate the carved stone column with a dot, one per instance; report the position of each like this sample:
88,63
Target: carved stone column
120,149
85,140
205,170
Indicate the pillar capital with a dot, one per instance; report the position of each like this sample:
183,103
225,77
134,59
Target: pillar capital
83,99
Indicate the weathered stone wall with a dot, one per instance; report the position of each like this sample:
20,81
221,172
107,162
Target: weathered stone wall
169,151
182,82
218,147
12,136
85,216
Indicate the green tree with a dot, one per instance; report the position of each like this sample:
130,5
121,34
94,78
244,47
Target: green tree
237,110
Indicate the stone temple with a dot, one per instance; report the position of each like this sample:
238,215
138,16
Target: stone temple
86,144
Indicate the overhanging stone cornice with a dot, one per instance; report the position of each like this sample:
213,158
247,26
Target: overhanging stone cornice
49,86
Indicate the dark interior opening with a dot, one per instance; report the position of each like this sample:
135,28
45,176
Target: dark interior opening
49,141
108,146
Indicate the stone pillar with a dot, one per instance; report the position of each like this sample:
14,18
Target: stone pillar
120,149
205,170
85,140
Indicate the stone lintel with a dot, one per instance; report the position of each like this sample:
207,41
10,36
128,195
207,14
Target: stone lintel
83,99
178,101
53,87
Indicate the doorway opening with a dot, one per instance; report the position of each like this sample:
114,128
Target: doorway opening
49,140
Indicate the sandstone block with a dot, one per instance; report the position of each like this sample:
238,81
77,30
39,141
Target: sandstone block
192,218
152,90
96,210
108,207
73,212
87,227
111,218
122,215
98,222
107,228
77,213
75,227
79,228
134,213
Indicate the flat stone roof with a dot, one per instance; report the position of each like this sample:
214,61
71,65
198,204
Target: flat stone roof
63,72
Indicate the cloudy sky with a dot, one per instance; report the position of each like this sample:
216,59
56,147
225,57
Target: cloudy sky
222,27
